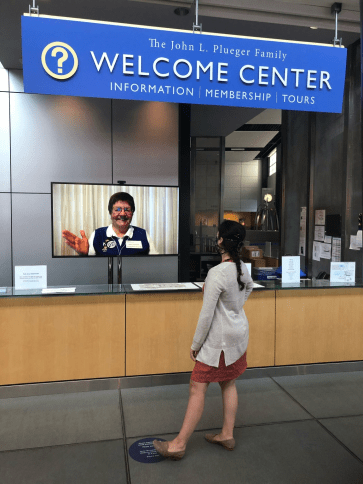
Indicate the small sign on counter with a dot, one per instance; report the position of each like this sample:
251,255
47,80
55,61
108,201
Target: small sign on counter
30,277
291,269
249,267
342,272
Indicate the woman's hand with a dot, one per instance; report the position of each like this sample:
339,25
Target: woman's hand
80,245
193,354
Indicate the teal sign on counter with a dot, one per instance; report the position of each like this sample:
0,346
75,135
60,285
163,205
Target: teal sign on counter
97,59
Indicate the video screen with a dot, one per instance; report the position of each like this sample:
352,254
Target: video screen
114,220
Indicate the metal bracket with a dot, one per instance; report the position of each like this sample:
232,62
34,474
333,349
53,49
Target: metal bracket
197,27
336,8
34,10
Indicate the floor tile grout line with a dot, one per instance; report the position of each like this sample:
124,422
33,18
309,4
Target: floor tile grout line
26,449
339,442
126,454
280,422
292,398
340,416
319,423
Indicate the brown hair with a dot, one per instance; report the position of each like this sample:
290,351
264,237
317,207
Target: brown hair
121,197
233,235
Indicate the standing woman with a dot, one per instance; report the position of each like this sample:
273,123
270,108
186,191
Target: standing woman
219,343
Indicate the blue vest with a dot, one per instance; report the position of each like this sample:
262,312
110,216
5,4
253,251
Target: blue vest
110,247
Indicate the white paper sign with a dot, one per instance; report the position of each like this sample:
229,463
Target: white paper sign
316,250
327,239
291,269
319,233
249,267
302,239
342,272
325,251
359,239
336,249
30,277
163,286
58,290
353,243
319,217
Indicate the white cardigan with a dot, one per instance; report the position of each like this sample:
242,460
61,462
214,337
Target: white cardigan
222,323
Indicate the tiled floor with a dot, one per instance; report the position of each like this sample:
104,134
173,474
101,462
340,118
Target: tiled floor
295,429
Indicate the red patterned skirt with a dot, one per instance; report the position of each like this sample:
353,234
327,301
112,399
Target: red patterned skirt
203,373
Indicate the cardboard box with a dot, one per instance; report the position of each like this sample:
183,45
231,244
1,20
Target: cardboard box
271,262
256,262
252,252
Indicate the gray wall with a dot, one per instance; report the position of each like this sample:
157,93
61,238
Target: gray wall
322,169
243,181
46,139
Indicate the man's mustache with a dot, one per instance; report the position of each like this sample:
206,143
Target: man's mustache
124,218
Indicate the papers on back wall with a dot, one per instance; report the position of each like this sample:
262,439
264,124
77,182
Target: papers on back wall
356,241
336,249
319,217
316,250
353,243
325,251
319,233
321,250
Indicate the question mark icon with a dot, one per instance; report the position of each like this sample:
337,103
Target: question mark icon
61,59
66,51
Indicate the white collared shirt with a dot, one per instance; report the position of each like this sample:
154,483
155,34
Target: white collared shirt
111,233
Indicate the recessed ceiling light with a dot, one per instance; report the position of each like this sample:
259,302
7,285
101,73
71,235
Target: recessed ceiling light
181,11
314,28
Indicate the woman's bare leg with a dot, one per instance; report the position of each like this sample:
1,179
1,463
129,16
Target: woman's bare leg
230,404
193,414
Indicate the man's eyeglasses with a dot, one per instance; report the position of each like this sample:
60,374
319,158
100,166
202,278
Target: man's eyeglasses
120,209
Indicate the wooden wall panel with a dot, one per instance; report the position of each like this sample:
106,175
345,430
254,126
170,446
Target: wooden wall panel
61,338
318,326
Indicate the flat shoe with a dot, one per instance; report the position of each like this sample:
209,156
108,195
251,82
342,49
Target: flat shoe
162,448
227,444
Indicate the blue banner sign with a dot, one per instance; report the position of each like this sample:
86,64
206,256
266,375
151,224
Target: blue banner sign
94,59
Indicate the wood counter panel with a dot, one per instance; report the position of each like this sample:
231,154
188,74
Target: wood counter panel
61,338
260,312
159,332
160,329
319,325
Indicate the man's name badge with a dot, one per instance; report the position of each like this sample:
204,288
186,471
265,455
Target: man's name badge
133,244
111,244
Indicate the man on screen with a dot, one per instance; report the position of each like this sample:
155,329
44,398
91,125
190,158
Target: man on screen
119,238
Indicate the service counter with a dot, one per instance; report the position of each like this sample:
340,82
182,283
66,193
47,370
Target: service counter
113,331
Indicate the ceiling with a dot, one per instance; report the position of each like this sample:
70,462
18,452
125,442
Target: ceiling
278,19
